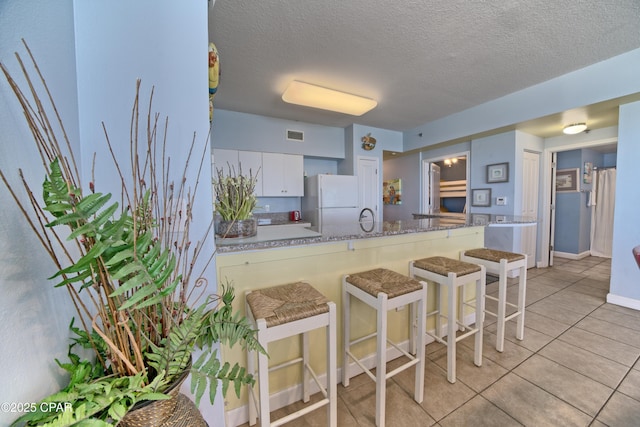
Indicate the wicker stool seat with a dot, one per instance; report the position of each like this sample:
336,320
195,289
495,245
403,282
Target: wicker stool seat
501,263
454,274
385,290
285,311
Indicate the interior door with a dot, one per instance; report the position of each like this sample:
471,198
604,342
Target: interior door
530,187
552,216
434,189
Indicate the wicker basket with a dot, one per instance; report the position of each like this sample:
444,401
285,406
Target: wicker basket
179,411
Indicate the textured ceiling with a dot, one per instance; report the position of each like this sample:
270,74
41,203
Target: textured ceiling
420,59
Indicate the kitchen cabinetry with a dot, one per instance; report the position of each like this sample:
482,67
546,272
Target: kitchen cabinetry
282,175
251,161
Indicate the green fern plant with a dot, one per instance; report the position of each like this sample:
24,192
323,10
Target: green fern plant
129,269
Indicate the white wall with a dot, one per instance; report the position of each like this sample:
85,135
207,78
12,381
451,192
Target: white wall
34,317
625,274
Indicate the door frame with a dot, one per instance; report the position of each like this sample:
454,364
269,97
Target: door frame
378,184
547,181
424,176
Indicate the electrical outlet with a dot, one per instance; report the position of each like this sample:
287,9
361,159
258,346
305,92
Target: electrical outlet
267,208
501,201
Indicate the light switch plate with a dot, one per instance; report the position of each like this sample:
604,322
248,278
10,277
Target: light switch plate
501,201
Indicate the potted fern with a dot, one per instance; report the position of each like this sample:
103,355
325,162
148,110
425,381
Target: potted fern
129,268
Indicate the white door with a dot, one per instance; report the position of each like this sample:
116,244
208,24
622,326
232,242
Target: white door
434,189
530,186
552,216
369,193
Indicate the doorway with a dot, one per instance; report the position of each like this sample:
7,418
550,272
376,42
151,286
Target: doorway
449,196
548,222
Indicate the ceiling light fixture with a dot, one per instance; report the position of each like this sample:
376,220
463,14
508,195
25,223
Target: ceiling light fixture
450,162
309,95
574,128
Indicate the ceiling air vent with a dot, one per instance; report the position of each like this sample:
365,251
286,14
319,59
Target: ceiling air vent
295,135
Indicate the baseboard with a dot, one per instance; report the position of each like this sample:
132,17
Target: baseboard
239,416
568,255
623,301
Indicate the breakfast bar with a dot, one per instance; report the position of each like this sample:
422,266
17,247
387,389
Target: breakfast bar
322,257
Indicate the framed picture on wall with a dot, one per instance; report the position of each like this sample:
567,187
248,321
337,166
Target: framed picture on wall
392,192
498,172
481,197
567,180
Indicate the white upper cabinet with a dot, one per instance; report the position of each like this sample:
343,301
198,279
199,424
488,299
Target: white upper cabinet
283,175
251,161
248,160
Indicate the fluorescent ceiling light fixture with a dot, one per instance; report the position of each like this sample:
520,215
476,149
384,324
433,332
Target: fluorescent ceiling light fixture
309,95
574,128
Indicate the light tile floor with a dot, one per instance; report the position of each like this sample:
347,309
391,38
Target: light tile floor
577,365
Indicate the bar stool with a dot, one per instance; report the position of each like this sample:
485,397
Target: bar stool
501,263
454,274
285,311
385,290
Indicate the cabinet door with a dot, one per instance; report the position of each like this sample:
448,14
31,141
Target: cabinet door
293,168
272,175
223,159
251,161
282,175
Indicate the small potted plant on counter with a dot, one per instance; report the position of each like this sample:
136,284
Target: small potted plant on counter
235,201
132,274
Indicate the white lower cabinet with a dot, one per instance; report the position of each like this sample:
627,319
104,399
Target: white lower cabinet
282,175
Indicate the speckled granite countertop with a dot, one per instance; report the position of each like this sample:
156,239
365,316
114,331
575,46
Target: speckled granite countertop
296,236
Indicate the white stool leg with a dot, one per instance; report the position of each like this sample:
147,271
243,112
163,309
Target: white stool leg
480,293
502,304
346,335
251,369
461,321
413,325
332,369
381,365
306,376
439,310
522,292
263,377
421,326
452,327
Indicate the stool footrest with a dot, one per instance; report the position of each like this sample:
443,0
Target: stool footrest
359,363
299,413
285,364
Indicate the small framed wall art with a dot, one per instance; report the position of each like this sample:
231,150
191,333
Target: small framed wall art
481,197
567,180
498,172
392,192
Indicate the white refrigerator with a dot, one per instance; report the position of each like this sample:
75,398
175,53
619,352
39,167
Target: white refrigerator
330,200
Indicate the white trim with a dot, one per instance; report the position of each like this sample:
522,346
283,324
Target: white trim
623,301
569,255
